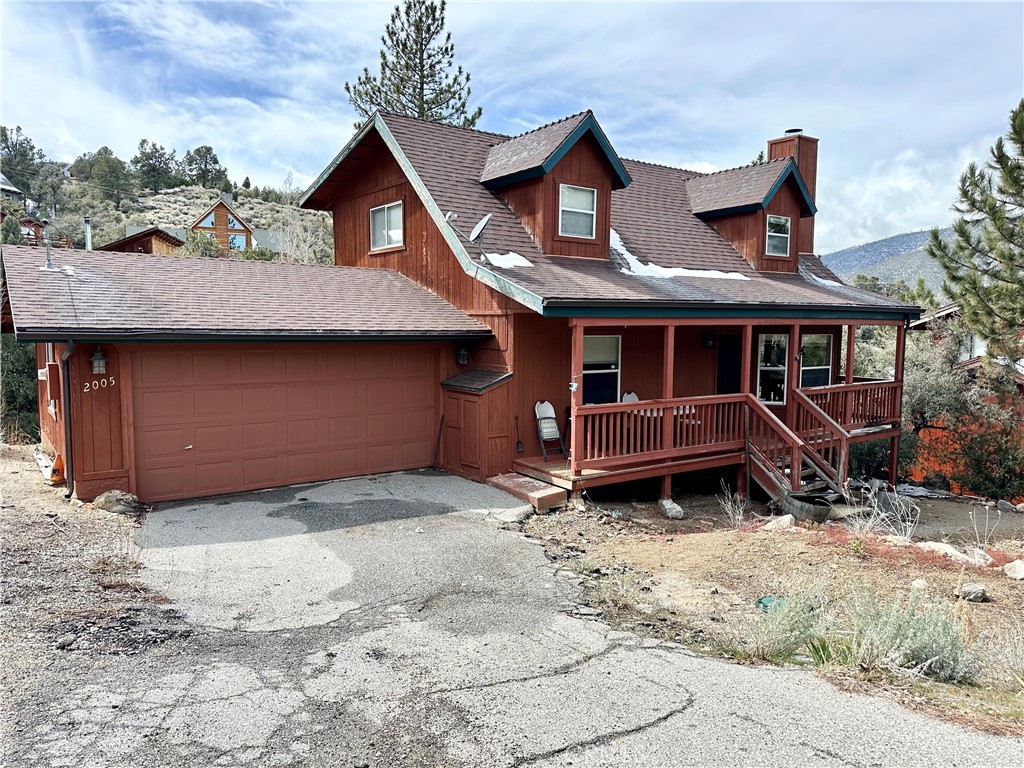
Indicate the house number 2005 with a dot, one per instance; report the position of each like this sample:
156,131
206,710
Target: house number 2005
99,384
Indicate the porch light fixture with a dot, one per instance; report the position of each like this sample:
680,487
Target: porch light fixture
707,340
799,357
462,356
99,362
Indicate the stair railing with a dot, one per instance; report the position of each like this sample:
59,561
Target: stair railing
773,445
827,442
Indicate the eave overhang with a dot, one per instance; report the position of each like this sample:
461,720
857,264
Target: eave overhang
126,335
718,310
791,171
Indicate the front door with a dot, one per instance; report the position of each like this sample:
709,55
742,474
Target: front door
730,350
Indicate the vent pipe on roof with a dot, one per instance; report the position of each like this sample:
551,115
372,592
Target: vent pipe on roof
49,266
793,131
88,233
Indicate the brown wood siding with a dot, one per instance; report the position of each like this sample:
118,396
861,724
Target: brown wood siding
477,441
541,372
746,233
696,368
51,426
424,255
785,203
536,202
220,228
805,150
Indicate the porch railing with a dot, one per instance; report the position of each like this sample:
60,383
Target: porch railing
858,405
618,434
826,441
773,446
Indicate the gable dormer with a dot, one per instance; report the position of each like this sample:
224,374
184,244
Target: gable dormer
765,210
223,224
558,180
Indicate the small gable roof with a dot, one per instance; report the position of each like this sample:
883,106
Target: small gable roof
97,295
159,233
537,152
749,188
232,211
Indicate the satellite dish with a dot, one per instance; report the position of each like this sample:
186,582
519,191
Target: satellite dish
479,228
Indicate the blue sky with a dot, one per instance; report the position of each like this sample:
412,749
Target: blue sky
902,96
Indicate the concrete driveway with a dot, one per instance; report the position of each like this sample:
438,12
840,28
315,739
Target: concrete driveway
390,621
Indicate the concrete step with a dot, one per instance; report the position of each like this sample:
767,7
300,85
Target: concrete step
541,495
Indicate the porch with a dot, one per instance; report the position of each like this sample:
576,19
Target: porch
787,436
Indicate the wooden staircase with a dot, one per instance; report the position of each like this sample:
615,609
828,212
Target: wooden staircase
803,469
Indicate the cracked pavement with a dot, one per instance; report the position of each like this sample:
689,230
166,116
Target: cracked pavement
394,621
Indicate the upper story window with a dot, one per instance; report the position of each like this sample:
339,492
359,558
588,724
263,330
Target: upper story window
207,222
601,356
386,226
237,241
577,211
771,367
816,360
778,235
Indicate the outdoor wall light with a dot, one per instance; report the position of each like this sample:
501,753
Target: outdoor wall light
800,355
707,340
99,361
462,356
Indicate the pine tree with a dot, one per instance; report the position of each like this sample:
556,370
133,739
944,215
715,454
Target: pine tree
984,260
416,76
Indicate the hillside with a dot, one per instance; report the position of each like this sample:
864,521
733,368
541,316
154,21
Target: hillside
900,257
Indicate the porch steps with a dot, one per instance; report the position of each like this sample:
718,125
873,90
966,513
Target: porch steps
541,495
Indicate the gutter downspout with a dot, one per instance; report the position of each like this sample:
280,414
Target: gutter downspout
65,375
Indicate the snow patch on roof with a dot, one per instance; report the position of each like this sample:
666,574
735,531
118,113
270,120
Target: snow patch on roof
508,260
822,281
636,267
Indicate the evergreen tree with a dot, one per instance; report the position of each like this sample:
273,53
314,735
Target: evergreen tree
984,260
10,231
201,166
416,76
246,184
154,167
19,158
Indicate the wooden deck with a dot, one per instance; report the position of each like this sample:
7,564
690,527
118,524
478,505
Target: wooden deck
556,470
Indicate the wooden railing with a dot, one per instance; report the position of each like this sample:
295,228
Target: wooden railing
620,434
858,405
773,445
827,442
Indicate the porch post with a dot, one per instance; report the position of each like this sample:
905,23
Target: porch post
576,397
667,391
793,379
851,336
897,375
745,352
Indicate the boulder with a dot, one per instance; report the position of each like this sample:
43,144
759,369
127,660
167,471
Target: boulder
119,503
780,523
1004,506
670,509
949,551
1020,508
972,592
938,481
1014,570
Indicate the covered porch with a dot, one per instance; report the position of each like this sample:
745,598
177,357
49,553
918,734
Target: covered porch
776,398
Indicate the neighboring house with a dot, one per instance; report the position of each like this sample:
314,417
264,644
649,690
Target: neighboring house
934,459
220,222
32,231
8,190
594,278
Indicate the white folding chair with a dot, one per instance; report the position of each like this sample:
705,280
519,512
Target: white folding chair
547,427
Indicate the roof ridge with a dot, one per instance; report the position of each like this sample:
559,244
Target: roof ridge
666,166
748,165
553,122
384,113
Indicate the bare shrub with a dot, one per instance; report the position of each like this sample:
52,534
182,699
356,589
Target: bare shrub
623,590
984,526
911,636
1003,651
734,506
885,514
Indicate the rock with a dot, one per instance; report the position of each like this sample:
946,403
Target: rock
1014,570
780,523
972,592
1004,506
671,510
119,503
919,585
979,557
1020,508
937,481
65,641
948,550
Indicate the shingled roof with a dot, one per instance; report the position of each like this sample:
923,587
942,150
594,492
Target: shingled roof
107,295
664,258
743,189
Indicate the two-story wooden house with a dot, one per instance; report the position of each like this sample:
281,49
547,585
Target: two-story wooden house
674,320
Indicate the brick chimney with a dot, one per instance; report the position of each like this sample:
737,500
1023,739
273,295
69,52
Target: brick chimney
804,149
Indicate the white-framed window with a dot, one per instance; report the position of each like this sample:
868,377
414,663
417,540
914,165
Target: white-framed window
816,360
772,356
777,243
236,241
386,226
577,211
601,369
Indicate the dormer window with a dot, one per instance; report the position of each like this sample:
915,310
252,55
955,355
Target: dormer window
778,236
577,211
386,226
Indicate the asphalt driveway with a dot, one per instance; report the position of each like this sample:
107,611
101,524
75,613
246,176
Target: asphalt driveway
391,621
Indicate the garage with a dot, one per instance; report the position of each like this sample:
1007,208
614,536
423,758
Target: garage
174,378
210,421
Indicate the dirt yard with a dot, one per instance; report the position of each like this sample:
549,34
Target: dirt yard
687,579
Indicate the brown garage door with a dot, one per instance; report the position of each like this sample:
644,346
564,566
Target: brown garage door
221,419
